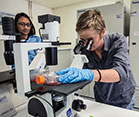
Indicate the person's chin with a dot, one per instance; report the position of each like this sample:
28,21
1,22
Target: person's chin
25,33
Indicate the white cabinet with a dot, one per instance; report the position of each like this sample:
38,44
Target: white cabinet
134,45
114,17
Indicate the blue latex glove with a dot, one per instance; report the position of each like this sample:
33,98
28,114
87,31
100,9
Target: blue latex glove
71,75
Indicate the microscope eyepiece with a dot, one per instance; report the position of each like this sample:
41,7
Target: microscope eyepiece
89,44
80,46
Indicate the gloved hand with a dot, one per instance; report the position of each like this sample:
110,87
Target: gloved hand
71,75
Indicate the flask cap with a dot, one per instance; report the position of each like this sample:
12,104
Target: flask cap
40,79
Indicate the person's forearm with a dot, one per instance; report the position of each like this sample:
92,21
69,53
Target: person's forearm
109,75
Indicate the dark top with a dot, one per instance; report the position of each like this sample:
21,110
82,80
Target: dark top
115,56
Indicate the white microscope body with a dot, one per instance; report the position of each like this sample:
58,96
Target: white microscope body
23,78
39,97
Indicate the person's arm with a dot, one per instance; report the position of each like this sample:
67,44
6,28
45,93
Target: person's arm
119,69
120,65
33,53
108,75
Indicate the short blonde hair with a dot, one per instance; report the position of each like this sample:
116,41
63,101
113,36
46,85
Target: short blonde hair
91,19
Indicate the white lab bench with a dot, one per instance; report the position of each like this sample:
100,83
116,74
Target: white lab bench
94,109
22,111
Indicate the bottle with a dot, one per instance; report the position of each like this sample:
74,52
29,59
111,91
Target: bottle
49,78
36,72
33,74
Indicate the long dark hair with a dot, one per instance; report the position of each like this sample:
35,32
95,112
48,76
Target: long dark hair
17,17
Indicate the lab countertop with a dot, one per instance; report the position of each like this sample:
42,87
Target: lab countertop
22,111
94,109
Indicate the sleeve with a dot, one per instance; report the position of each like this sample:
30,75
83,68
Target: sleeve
38,39
121,58
13,66
34,39
33,53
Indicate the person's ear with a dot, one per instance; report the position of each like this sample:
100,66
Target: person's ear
16,27
103,32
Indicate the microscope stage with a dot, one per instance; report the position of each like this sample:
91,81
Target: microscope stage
63,89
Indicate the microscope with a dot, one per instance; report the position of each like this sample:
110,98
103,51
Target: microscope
43,100
47,100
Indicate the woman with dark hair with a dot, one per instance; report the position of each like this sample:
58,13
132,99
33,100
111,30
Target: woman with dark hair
26,33
24,26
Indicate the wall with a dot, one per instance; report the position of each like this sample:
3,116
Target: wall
16,6
68,16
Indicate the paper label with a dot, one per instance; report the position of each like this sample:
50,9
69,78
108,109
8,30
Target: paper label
69,113
136,33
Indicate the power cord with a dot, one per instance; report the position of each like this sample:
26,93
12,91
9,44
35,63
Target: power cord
40,34
84,96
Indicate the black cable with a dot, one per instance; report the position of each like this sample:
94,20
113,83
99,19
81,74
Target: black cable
40,34
136,108
47,103
84,96
40,37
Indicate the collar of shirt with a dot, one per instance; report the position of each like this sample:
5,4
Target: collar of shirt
106,43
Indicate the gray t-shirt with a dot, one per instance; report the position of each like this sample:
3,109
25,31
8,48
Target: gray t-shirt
115,56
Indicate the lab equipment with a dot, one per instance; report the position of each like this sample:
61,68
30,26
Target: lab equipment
53,101
6,106
50,22
43,92
42,96
81,47
8,29
33,73
47,77
51,55
58,98
61,97
21,49
134,36
78,105
23,75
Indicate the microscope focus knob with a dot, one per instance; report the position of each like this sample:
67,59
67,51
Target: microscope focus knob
78,105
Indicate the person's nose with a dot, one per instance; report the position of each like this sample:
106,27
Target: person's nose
25,26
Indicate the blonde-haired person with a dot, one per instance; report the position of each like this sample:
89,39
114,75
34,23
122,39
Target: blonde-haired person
108,66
